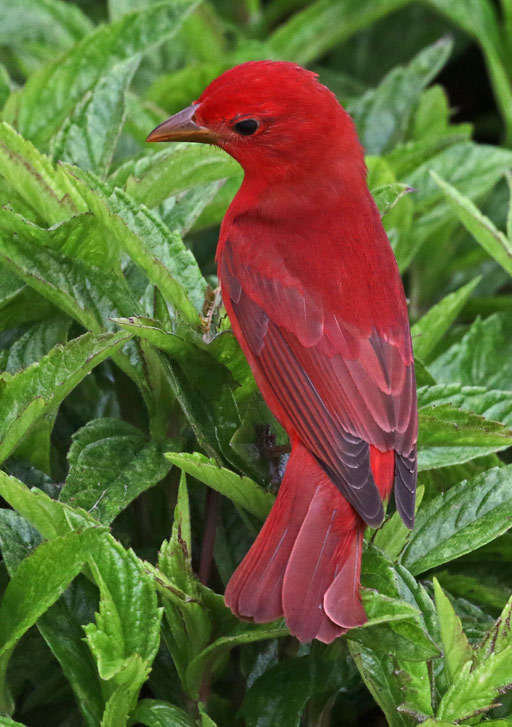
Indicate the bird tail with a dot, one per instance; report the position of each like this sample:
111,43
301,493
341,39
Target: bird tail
305,563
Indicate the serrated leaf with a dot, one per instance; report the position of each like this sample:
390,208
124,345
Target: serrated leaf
377,673
124,696
39,389
489,403
153,178
188,620
39,108
387,196
493,241
159,252
430,329
157,713
241,490
450,436
460,520
89,136
110,463
456,649
476,690
128,622
33,176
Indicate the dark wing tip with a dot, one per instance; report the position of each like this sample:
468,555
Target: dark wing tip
406,470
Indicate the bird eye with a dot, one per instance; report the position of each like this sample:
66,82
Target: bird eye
246,127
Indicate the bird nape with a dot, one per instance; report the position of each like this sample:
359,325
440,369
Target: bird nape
314,296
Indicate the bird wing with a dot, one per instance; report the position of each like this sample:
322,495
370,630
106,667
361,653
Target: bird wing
341,389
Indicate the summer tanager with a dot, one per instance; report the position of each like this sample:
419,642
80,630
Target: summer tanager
313,293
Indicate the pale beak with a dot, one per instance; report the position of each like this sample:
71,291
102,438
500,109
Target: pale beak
182,127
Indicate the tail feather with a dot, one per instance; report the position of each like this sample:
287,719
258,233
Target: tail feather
299,556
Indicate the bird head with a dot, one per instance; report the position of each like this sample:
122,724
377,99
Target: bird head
273,117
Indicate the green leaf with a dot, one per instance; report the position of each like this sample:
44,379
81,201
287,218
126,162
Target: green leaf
157,713
8,722
38,583
36,343
451,436
62,629
489,403
467,516
188,620
483,357
110,463
377,671
204,663
430,329
128,622
124,696
89,136
159,252
456,649
323,25
476,690
49,517
392,536
154,177
386,196
40,107
241,490
33,176
382,114
493,241
39,389
54,23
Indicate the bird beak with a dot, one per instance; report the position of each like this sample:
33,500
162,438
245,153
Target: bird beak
182,127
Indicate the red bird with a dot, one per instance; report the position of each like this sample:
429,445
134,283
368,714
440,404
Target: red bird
314,296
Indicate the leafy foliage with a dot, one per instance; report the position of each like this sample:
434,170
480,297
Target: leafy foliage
131,429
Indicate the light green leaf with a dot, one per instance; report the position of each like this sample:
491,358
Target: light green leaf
387,196
154,177
157,713
33,176
241,490
110,463
89,136
493,241
124,696
39,389
159,252
392,536
38,583
36,342
430,329
53,23
456,649
49,517
188,619
467,516
476,690
128,622
40,107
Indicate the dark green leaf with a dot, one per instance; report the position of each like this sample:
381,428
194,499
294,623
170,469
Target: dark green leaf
157,713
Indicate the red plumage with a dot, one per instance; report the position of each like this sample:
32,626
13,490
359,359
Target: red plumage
314,296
